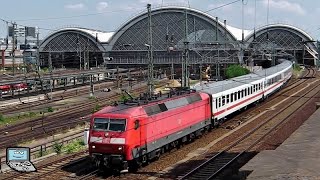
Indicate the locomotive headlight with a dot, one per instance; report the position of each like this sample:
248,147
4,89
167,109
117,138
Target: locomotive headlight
120,148
93,147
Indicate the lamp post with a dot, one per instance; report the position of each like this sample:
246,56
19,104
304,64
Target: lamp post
150,70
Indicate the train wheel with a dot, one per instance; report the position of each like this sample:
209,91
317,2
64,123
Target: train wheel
178,144
134,166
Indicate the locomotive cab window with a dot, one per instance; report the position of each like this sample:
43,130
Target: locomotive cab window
105,124
117,125
100,124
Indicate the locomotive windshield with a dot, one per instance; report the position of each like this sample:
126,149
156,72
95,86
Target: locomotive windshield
106,124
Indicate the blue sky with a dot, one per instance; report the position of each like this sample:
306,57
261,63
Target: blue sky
108,15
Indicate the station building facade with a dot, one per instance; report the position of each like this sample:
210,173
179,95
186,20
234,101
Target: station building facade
209,41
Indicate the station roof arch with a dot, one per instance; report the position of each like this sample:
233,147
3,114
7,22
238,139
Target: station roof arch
66,39
286,31
138,26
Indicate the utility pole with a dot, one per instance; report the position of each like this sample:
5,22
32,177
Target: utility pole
185,72
172,71
200,68
91,86
13,48
25,47
150,49
79,51
50,70
86,64
118,77
38,55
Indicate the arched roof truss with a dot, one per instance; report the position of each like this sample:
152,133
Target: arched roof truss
67,40
280,36
168,30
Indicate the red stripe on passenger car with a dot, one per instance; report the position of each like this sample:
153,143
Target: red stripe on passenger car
245,100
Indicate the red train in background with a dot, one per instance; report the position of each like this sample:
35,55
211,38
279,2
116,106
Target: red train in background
6,89
139,134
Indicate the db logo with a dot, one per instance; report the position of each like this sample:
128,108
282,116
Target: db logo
106,140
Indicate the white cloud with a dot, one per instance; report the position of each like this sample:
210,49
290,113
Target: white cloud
78,6
285,6
101,6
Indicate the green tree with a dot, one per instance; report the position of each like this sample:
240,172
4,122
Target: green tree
235,71
296,67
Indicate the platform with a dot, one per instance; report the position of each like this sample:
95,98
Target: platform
297,157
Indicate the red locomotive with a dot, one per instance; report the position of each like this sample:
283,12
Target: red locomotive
123,136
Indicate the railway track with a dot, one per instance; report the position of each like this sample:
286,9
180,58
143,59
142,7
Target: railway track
64,95
51,169
45,126
220,161
57,97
